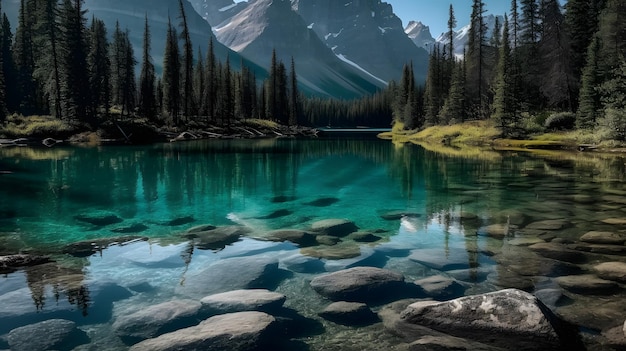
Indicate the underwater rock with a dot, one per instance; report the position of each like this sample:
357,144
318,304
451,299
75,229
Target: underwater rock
99,221
615,271
323,202
200,228
89,247
558,252
178,221
327,240
615,221
276,214
449,343
502,318
218,238
609,238
525,241
364,237
550,297
360,284
550,224
149,322
334,227
587,284
261,300
296,236
398,214
303,264
497,231
134,228
439,287
349,313
241,331
339,251
53,334
282,198
441,260
12,262
255,272
616,337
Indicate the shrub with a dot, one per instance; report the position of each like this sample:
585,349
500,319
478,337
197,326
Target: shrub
560,121
613,125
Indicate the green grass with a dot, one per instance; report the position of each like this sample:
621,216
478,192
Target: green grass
17,126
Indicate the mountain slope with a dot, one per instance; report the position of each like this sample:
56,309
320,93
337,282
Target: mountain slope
217,11
265,25
420,34
365,32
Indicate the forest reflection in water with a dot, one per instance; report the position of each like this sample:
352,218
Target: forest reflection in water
478,210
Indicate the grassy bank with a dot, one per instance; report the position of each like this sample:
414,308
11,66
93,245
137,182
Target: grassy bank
485,134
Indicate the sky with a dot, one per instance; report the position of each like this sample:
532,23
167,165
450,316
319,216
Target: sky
435,13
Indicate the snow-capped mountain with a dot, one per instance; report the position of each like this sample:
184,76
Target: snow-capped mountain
217,11
266,25
364,33
420,34
461,37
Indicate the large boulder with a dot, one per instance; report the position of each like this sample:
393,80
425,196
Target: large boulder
361,284
296,236
502,318
587,284
610,238
53,334
334,227
155,320
234,332
349,313
255,272
243,300
558,252
216,238
449,343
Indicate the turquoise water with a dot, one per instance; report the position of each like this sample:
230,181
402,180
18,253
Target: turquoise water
52,198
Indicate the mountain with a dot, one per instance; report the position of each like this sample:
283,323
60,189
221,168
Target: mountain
461,37
419,33
364,33
266,25
217,11
131,14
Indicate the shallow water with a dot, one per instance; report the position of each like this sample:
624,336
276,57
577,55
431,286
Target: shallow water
52,198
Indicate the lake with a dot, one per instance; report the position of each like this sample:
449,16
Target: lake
115,222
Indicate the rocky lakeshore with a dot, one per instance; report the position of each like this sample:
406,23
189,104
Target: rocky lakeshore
547,293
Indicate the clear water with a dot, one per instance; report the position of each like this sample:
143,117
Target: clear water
168,188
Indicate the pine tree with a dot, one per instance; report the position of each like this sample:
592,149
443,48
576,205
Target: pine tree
171,75
187,64
612,31
117,63
210,93
476,78
8,67
227,95
450,35
271,89
75,83
557,81
3,107
24,59
199,84
453,110
128,84
581,20
47,70
147,78
504,105
99,68
294,100
589,99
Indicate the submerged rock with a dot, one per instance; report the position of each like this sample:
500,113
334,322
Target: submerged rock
282,198
200,228
349,313
558,252
156,320
364,237
441,288
323,202
296,236
615,221
502,318
334,227
179,221
53,334
498,231
340,251
609,238
261,300
12,262
303,264
89,247
399,214
276,214
550,224
99,220
233,274
587,284
615,271
616,337
134,228
241,331
361,284
217,238
441,260
449,343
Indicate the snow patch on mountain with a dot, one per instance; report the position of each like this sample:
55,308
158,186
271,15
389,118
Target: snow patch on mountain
353,64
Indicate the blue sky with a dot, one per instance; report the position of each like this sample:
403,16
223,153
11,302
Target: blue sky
434,13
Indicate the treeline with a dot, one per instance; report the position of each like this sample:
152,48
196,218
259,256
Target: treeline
56,64
539,58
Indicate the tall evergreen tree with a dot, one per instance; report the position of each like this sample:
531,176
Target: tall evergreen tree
612,31
46,40
272,89
187,64
581,20
227,98
453,110
294,96
504,105
557,82
75,83
147,78
3,106
171,75
476,59
209,96
99,68
589,98
8,67
199,84
24,59
450,35
117,64
128,83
